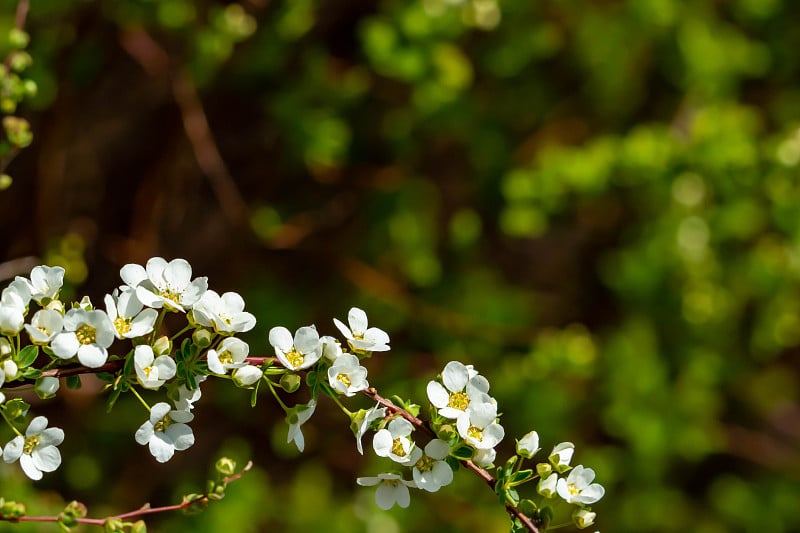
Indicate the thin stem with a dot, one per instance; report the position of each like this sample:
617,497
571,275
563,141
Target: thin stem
136,393
3,412
277,398
157,325
181,332
342,407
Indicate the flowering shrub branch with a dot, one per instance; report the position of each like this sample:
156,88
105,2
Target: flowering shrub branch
75,512
458,427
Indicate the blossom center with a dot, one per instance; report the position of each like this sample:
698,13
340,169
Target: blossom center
344,379
425,464
30,444
122,325
573,490
147,371
397,447
86,334
163,424
171,295
475,432
225,358
458,400
295,358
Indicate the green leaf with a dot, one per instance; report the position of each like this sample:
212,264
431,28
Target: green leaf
520,477
73,382
27,356
462,453
112,399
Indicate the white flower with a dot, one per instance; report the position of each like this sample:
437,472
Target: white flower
331,349
45,282
459,390
44,326
561,456
296,417
359,337
152,371
484,458
247,375
547,486
47,386
37,450
394,441
528,445
230,354
392,489
128,315
297,354
161,284
87,334
13,306
166,431
224,313
478,426
431,472
346,376
376,413
578,487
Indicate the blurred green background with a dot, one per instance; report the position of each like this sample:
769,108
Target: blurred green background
596,203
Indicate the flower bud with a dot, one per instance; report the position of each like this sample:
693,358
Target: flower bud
561,456
86,304
543,469
162,346
55,305
5,348
225,466
246,376
18,39
547,486
290,382
583,518
46,387
528,445
202,338
139,527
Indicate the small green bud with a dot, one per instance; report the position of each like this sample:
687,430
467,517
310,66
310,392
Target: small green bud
46,387
19,61
18,39
112,525
139,527
30,88
544,469
290,382
7,105
76,508
5,181
202,338
226,466
9,509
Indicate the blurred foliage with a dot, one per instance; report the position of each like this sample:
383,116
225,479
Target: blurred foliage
594,202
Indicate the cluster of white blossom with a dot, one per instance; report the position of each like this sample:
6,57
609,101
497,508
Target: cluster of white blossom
463,426
133,312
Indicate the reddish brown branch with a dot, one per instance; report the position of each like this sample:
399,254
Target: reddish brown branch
144,510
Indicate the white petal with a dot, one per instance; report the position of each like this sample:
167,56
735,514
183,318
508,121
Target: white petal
178,273
36,426
281,339
65,345
343,329
161,448
155,271
455,376
382,443
437,394
132,274
148,297
26,462
358,321
194,291
47,458
13,449
306,340
437,449
181,436
144,433
92,355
